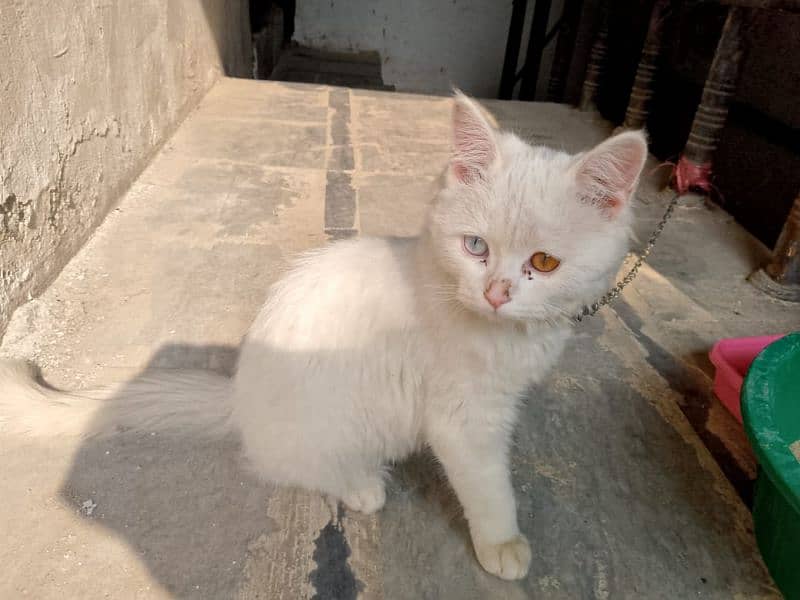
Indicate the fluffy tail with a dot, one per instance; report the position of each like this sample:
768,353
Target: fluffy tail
178,401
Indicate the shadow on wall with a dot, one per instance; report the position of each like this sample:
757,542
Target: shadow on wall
232,42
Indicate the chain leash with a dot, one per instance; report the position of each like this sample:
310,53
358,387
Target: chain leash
614,293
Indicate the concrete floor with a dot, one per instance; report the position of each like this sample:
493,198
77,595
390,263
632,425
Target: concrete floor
342,69
617,488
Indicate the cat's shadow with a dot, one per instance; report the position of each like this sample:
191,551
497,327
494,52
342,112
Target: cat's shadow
600,480
188,506
182,502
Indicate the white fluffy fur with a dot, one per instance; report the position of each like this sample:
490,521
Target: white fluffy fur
182,401
369,349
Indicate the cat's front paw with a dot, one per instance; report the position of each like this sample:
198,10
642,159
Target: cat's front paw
368,499
507,560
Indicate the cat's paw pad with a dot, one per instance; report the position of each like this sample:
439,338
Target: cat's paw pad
507,560
367,500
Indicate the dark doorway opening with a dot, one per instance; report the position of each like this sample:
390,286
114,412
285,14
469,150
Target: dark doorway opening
272,28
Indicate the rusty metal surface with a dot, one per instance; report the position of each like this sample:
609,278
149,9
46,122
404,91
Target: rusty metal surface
642,91
596,66
508,79
536,44
781,277
787,5
719,89
565,45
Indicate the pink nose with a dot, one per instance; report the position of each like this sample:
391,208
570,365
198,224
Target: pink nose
497,293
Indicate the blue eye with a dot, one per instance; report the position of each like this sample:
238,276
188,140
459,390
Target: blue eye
476,246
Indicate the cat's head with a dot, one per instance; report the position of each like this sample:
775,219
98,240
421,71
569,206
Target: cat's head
525,232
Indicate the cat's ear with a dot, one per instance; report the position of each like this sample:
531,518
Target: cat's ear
608,174
474,142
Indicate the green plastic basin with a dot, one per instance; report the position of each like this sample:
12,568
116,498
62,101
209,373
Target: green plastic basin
771,412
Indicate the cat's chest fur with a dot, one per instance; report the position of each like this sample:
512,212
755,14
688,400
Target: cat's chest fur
370,298
492,362
361,317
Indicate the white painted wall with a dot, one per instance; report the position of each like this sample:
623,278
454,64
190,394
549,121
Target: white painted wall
426,46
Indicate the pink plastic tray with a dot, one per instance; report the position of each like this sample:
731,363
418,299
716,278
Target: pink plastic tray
732,358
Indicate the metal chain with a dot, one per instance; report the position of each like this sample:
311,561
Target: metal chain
615,292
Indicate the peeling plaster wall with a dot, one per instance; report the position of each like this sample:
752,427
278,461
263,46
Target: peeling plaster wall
89,89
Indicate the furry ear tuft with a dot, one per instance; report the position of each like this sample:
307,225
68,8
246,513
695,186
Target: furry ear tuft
608,174
474,144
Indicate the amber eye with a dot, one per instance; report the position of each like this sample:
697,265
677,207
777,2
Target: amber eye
541,261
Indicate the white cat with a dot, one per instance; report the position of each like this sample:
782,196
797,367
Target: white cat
371,348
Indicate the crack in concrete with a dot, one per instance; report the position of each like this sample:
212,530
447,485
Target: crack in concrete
333,578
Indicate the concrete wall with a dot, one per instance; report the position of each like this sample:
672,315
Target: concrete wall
425,46
88,92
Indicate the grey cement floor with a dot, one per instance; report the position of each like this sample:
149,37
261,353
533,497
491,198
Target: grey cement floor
308,65
617,490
